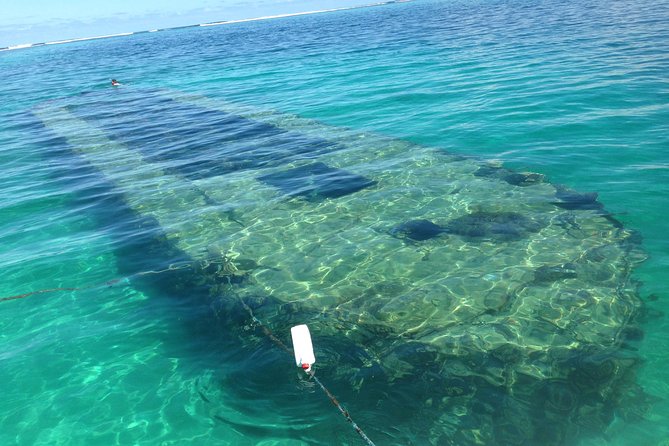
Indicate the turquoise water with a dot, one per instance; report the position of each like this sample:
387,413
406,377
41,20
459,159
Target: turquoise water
164,200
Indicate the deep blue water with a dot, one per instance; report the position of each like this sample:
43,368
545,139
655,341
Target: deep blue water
274,163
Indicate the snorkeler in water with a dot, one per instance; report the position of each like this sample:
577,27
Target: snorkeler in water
115,83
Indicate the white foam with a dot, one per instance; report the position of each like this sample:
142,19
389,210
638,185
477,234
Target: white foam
81,39
18,47
294,14
225,22
268,17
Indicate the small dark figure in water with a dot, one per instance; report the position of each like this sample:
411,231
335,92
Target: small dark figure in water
115,83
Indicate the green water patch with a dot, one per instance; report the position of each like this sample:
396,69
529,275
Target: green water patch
496,305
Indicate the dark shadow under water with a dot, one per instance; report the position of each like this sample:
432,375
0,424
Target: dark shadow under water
401,391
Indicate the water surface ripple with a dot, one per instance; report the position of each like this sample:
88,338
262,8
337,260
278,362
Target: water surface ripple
415,181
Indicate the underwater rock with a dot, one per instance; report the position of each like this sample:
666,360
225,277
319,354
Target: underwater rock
632,333
548,273
512,424
558,396
417,230
458,386
508,353
521,179
220,269
597,372
502,226
488,171
572,200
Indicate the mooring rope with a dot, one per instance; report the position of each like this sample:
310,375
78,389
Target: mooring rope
108,283
343,411
263,327
53,290
310,372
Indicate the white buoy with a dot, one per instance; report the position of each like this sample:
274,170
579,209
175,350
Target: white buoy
302,347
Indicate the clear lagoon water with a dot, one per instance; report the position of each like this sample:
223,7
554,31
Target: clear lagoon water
465,200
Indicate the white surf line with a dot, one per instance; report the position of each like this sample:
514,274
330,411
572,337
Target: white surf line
18,47
222,22
147,189
295,14
83,39
60,42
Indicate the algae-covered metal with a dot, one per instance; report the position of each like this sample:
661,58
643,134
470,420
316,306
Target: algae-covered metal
497,293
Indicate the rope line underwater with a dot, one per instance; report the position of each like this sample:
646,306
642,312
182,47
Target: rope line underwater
278,342
310,373
54,290
108,283
343,411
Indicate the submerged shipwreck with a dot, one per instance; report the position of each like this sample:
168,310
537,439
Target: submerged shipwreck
502,301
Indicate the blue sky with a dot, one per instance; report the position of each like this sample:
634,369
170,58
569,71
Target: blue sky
32,21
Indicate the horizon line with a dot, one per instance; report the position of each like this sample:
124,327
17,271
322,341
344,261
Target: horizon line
217,23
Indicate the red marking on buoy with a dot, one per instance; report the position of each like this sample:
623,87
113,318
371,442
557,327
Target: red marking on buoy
305,366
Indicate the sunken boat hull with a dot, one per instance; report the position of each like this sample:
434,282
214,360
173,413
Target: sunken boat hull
494,296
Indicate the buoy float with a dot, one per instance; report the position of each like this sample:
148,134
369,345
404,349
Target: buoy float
302,347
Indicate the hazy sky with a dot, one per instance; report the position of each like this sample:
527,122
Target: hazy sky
32,21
